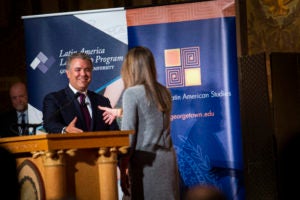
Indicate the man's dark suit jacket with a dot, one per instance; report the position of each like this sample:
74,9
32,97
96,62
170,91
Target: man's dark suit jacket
60,108
9,121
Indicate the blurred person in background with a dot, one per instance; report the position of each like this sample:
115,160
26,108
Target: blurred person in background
13,121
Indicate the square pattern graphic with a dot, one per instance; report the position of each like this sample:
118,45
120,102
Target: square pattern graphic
172,57
182,67
192,76
42,62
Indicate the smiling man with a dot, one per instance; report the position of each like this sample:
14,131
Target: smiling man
74,109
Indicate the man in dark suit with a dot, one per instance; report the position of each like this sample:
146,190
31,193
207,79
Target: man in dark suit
62,110
11,120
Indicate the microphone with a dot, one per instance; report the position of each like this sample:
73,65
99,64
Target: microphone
85,103
15,126
33,126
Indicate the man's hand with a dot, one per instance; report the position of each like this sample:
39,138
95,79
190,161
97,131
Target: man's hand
71,128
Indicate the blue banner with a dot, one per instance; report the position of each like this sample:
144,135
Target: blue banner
50,39
197,61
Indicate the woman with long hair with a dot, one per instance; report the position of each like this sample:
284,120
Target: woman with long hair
146,108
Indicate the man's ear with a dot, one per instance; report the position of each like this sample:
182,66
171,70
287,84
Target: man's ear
67,73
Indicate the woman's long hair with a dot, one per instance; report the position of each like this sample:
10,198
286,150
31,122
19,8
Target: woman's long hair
139,69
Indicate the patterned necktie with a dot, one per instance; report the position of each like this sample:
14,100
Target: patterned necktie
23,125
85,111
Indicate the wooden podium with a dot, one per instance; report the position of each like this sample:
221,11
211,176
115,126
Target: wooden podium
68,166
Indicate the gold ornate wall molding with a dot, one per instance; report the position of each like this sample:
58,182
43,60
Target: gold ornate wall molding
273,25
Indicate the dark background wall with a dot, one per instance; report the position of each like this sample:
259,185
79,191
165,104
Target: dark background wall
270,97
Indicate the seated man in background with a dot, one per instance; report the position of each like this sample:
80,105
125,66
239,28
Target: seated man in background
13,121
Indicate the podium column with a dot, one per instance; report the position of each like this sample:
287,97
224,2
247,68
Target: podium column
55,175
107,168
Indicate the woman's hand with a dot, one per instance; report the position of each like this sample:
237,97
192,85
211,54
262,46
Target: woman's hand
110,114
